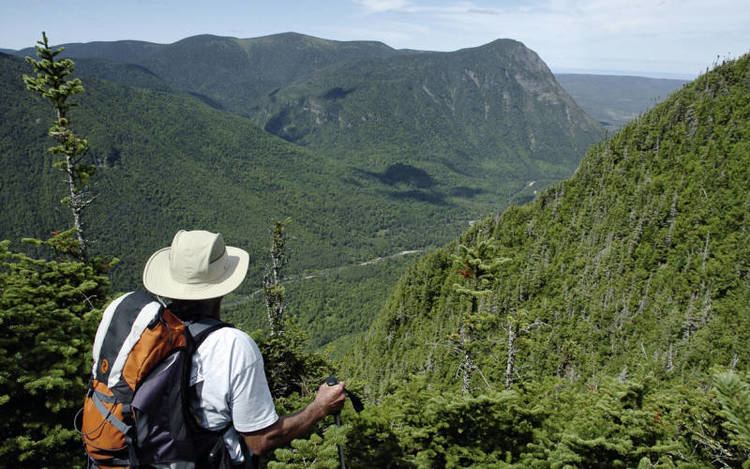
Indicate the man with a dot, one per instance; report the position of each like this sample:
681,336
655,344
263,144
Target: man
227,375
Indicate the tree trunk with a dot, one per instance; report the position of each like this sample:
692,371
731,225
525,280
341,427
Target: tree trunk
467,364
274,291
77,202
511,360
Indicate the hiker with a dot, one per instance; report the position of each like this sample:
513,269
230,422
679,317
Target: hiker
228,392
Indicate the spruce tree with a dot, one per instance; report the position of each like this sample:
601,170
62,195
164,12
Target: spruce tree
290,367
733,395
478,266
50,306
272,288
51,82
316,452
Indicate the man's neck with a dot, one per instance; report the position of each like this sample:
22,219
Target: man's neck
195,309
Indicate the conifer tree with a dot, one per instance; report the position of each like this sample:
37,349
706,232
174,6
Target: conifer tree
733,395
316,452
478,265
517,327
272,288
49,310
51,82
290,367
50,307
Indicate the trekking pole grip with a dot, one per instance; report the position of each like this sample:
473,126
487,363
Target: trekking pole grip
355,399
333,381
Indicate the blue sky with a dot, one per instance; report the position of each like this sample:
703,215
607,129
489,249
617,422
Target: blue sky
671,38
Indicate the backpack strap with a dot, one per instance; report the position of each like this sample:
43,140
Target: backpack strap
202,328
217,456
122,325
99,399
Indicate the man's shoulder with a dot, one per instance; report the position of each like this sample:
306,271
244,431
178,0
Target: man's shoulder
230,333
231,341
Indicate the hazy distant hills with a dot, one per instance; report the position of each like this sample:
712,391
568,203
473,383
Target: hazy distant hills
637,264
613,101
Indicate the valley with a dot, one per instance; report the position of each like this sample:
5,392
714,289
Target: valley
369,150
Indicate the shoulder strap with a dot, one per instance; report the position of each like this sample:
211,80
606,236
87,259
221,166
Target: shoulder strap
121,325
202,328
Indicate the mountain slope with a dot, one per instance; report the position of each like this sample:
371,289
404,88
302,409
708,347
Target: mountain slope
167,160
479,124
485,111
639,262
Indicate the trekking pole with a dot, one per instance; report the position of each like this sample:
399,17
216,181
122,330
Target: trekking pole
333,381
358,407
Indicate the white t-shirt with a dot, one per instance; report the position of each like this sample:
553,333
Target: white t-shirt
230,381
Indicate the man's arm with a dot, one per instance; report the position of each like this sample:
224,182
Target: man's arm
328,400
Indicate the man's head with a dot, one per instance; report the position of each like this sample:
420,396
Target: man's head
197,266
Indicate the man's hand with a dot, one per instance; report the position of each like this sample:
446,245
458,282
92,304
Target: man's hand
330,399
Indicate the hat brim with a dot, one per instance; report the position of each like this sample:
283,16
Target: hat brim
158,280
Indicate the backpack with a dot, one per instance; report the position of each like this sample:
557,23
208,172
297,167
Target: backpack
136,411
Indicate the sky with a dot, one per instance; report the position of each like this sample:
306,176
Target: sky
658,38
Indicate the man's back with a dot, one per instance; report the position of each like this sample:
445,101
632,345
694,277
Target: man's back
229,387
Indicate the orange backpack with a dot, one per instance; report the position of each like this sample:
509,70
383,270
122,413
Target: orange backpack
136,410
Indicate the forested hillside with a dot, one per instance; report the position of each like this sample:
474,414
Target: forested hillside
485,119
638,263
604,324
168,161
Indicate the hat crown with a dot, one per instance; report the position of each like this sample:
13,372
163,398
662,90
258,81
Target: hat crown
197,266
197,257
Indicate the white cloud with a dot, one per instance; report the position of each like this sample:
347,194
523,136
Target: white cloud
392,33
378,6
679,36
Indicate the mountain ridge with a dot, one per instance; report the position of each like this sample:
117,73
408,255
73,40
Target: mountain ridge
485,106
449,141
229,70
610,100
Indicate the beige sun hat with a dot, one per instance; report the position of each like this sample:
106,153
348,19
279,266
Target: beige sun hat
198,266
